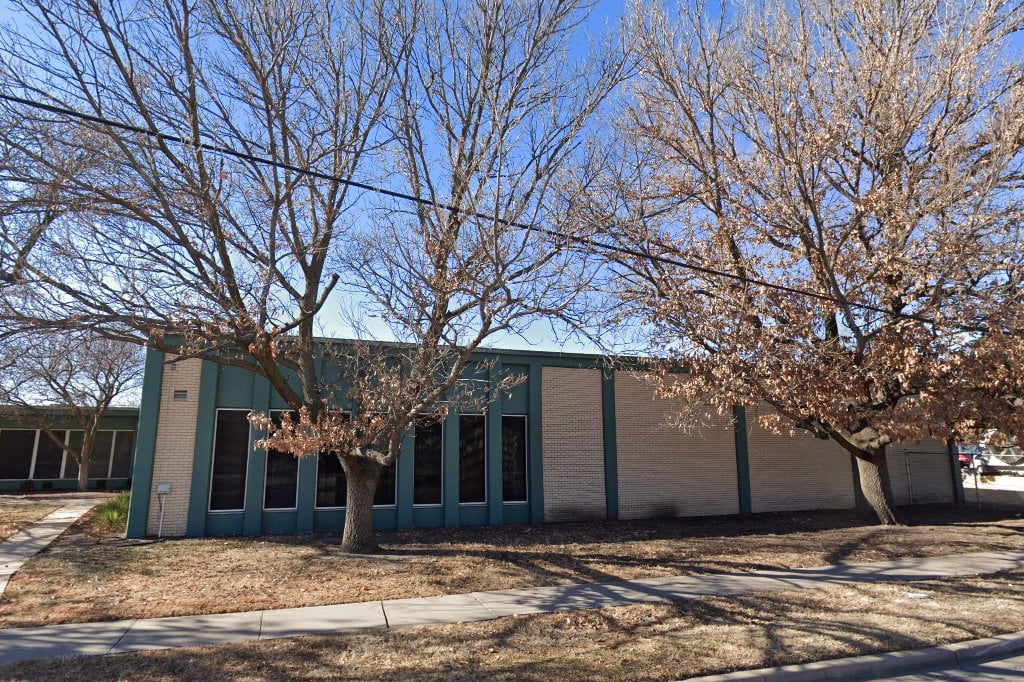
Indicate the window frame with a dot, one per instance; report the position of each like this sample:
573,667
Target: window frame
487,456
430,505
526,451
32,456
266,468
213,457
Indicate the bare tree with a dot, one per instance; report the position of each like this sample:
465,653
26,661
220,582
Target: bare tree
48,378
472,108
867,153
489,110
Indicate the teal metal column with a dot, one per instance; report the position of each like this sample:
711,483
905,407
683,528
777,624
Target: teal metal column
306,496
450,467
739,414
256,471
202,456
535,453
954,468
145,444
493,456
405,474
611,461
858,494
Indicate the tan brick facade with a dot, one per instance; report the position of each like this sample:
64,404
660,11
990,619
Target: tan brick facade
796,472
666,470
573,444
930,479
175,445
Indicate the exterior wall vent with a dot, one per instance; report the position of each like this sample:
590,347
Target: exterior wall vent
181,394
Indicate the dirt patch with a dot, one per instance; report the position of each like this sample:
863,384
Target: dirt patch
85,576
644,642
14,517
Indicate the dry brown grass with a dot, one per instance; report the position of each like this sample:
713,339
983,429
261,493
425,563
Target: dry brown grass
645,642
14,517
85,576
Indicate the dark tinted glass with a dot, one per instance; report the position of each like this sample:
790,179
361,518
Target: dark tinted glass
471,459
71,463
513,459
282,477
427,466
230,456
330,483
16,447
100,462
49,456
124,447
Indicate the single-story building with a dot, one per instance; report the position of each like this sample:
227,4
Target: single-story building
30,460
575,440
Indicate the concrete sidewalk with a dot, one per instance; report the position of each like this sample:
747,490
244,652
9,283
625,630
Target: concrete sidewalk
26,543
79,639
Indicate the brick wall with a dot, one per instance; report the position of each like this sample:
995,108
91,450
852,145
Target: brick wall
930,474
573,444
796,472
666,470
175,445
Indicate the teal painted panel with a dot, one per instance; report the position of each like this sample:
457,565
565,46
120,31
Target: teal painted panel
202,455
611,457
427,517
517,400
742,459
279,523
450,482
329,521
306,496
493,458
234,387
333,520
120,422
405,474
224,524
516,513
475,515
66,484
535,453
145,443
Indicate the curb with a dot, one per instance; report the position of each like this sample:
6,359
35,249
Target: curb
882,665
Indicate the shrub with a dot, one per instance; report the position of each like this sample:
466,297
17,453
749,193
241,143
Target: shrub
112,515
26,485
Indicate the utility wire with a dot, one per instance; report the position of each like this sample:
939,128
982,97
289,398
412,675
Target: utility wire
580,241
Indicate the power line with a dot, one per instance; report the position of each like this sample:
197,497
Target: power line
581,241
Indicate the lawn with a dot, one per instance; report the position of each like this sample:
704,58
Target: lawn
15,516
88,576
644,642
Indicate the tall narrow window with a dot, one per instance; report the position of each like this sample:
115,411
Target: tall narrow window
16,446
472,458
124,447
427,463
282,477
331,488
230,457
49,455
330,481
75,439
99,464
513,458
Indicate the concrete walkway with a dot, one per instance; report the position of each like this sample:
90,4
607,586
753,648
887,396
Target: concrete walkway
80,639
26,543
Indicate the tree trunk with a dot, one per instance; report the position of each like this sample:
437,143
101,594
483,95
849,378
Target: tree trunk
361,476
876,487
84,459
